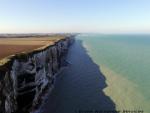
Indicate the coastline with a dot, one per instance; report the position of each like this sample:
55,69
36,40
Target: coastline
80,87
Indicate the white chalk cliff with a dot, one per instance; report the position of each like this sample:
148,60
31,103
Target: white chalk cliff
24,77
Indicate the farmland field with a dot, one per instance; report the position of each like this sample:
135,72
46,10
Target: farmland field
10,46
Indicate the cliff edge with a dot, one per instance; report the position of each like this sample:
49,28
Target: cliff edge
25,76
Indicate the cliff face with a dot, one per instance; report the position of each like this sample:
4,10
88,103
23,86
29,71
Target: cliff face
24,77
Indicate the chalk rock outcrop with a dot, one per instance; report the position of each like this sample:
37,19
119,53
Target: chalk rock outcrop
25,76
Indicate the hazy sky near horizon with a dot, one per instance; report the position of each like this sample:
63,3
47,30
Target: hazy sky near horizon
103,16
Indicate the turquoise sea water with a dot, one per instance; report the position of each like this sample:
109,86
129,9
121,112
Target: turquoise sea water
126,55
106,72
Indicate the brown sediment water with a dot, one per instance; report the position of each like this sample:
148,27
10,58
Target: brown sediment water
122,91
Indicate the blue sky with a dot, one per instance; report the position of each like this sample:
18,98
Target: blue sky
100,16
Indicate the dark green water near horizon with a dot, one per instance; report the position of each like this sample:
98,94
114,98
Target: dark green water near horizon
107,72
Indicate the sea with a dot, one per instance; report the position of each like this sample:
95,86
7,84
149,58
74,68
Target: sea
107,73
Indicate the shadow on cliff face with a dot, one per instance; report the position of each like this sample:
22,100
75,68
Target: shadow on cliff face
79,88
